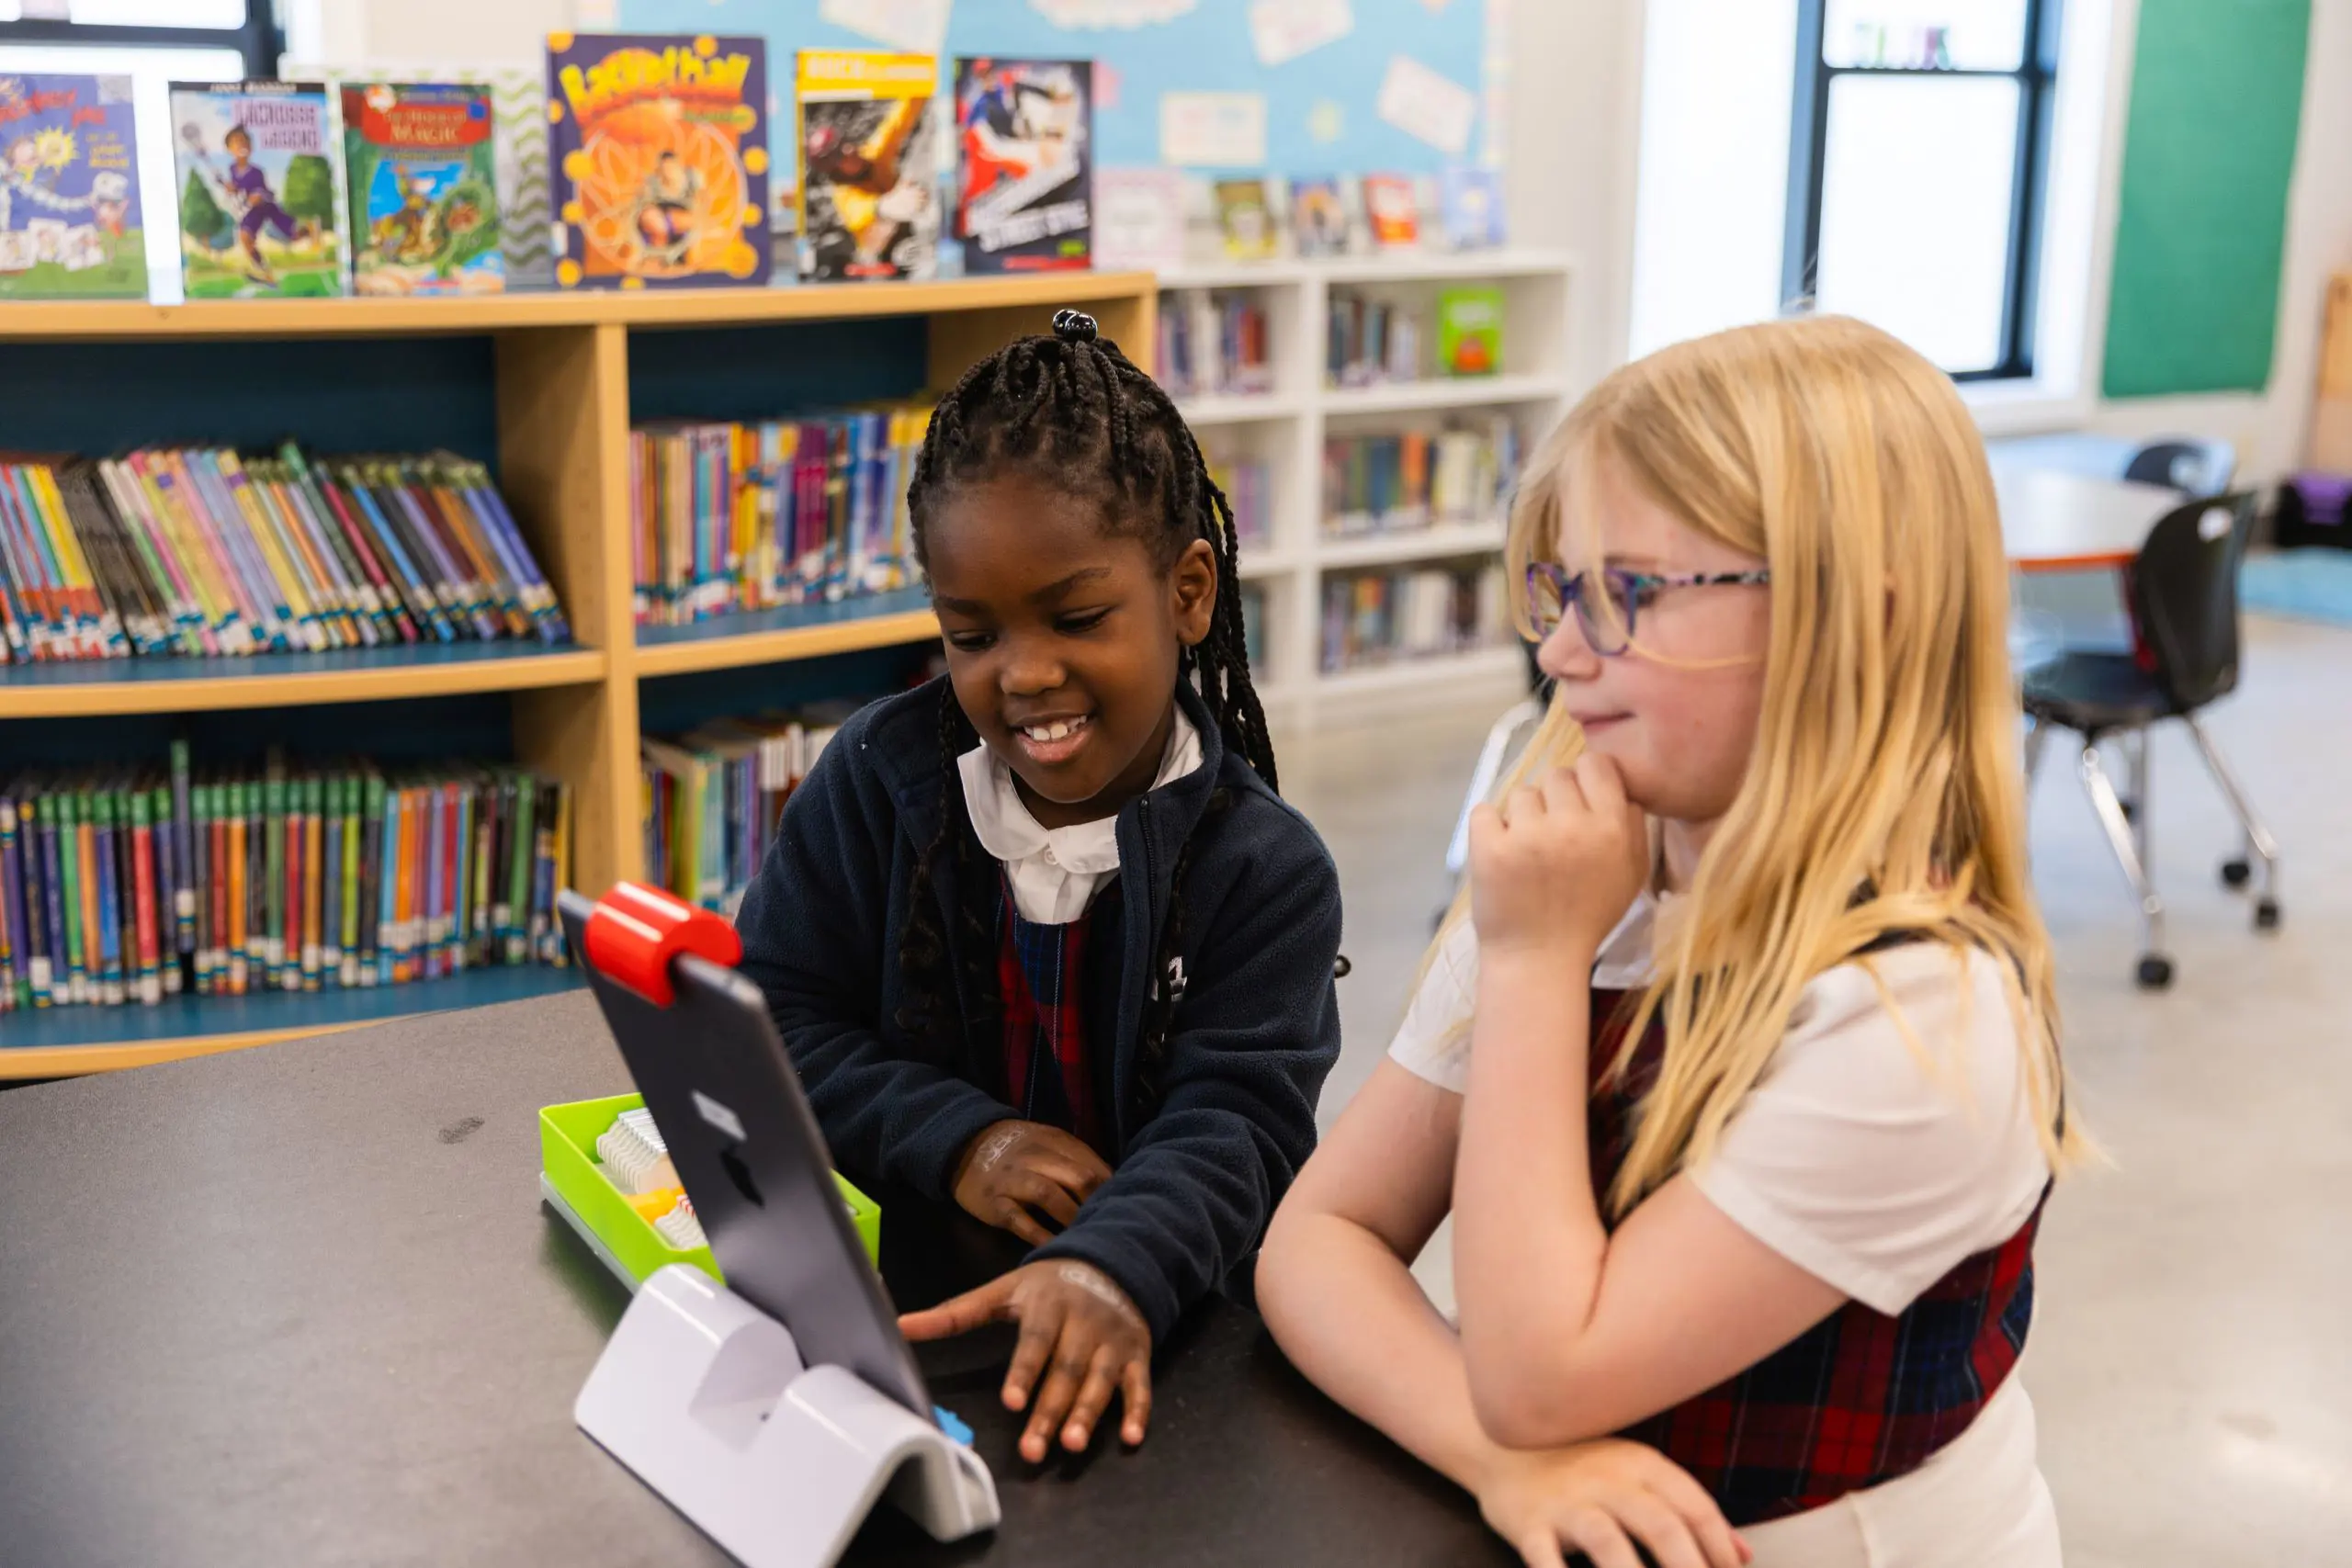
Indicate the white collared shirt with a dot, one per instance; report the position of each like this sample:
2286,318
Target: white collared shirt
1054,871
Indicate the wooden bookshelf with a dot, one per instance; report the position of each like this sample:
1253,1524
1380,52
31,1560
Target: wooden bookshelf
557,418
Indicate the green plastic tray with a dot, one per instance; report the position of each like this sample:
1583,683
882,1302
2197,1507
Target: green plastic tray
567,1136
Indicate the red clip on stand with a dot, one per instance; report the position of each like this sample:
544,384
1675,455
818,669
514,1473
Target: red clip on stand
709,1400
636,931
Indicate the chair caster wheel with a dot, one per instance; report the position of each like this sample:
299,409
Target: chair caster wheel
2235,872
2155,971
2265,915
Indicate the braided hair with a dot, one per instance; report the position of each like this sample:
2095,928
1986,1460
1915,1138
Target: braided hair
1072,411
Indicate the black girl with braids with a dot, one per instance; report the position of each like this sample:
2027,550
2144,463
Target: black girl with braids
1040,937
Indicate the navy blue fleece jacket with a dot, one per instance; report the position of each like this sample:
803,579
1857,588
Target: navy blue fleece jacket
1255,1029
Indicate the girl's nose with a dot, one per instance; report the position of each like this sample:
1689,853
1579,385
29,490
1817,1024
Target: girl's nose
1565,655
1026,672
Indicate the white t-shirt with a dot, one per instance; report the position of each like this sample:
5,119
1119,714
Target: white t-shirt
1875,1163
1054,871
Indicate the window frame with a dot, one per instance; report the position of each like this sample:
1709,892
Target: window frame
2036,74
261,40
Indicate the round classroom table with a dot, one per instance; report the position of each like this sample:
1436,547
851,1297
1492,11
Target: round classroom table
2054,520
302,1304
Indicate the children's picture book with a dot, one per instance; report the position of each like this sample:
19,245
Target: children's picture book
871,156
1246,218
1470,203
419,165
518,106
659,149
1024,130
1470,330
256,174
69,222
1139,219
1391,211
1318,221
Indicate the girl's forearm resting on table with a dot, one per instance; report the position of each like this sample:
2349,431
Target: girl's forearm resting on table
1348,1315
1528,1238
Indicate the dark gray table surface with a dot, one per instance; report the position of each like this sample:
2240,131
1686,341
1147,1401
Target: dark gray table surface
302,1304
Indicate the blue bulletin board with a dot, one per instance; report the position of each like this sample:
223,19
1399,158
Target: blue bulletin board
1323,104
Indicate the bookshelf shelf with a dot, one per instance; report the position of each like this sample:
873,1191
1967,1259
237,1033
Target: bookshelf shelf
1410,545
1400,266
1466,392
797,631
89,320
1239,407
118,687
55,1042
1476,666
556,415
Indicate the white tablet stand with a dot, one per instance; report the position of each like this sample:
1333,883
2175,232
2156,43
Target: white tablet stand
706,1398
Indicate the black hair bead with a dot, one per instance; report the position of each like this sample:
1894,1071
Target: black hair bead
1074,326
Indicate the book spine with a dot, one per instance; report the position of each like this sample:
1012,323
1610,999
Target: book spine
86,863
371,858
327,495
453,875
400,821
485,834
167,893
35,977
13,992
543,875
272,803
429,856
288,954
347,971
518,940
143,850
314,881
331,876
56,898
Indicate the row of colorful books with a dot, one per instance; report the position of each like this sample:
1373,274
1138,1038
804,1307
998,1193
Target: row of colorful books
711,798
1332,215
124,887
1249,487
199,551
1377,617
731,517
1368,341
1375,484
1213,342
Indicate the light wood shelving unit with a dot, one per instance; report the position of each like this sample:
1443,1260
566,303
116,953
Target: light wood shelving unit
1286,426
561,365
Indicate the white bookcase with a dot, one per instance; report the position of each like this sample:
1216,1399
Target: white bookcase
1286,429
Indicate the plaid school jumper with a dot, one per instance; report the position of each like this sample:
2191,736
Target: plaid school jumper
1859,1398
1048,1075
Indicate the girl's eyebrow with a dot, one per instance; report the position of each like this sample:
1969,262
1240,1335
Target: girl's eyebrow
1061,589
1635,561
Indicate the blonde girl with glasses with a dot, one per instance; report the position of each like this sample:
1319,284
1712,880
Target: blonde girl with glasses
1736,1062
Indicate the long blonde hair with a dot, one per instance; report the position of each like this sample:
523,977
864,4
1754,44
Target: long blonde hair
1886,755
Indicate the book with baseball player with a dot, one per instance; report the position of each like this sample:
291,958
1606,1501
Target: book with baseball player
870,161
258,212
69,222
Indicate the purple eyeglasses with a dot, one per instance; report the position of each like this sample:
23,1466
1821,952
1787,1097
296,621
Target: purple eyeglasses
1608,631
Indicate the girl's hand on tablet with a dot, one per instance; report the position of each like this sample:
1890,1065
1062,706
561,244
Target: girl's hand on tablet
1079,1335
1600,1498
1015,1172
1555,865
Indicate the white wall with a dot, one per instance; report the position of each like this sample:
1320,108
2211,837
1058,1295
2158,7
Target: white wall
342,32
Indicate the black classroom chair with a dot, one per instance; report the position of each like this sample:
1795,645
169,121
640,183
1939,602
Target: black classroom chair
2184,598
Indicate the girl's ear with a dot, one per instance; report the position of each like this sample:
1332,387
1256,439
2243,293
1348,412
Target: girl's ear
1194,587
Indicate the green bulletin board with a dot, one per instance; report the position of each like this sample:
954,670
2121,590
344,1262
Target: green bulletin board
2217,91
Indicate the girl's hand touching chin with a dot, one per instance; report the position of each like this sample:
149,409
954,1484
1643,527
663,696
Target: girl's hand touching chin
1078,1331
1600,1498
1554,865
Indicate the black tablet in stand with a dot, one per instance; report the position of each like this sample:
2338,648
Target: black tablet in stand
774,1410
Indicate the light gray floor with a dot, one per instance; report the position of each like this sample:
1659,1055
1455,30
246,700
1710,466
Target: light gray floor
2191,1355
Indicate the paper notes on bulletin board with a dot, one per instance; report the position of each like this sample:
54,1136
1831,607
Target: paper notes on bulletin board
1213,131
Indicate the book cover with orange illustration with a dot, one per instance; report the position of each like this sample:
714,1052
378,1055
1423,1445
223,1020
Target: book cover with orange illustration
659,149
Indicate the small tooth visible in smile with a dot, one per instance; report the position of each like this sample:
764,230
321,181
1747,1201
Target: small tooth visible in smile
1061,729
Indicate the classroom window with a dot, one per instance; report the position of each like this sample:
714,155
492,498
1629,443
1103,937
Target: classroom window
1917,171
